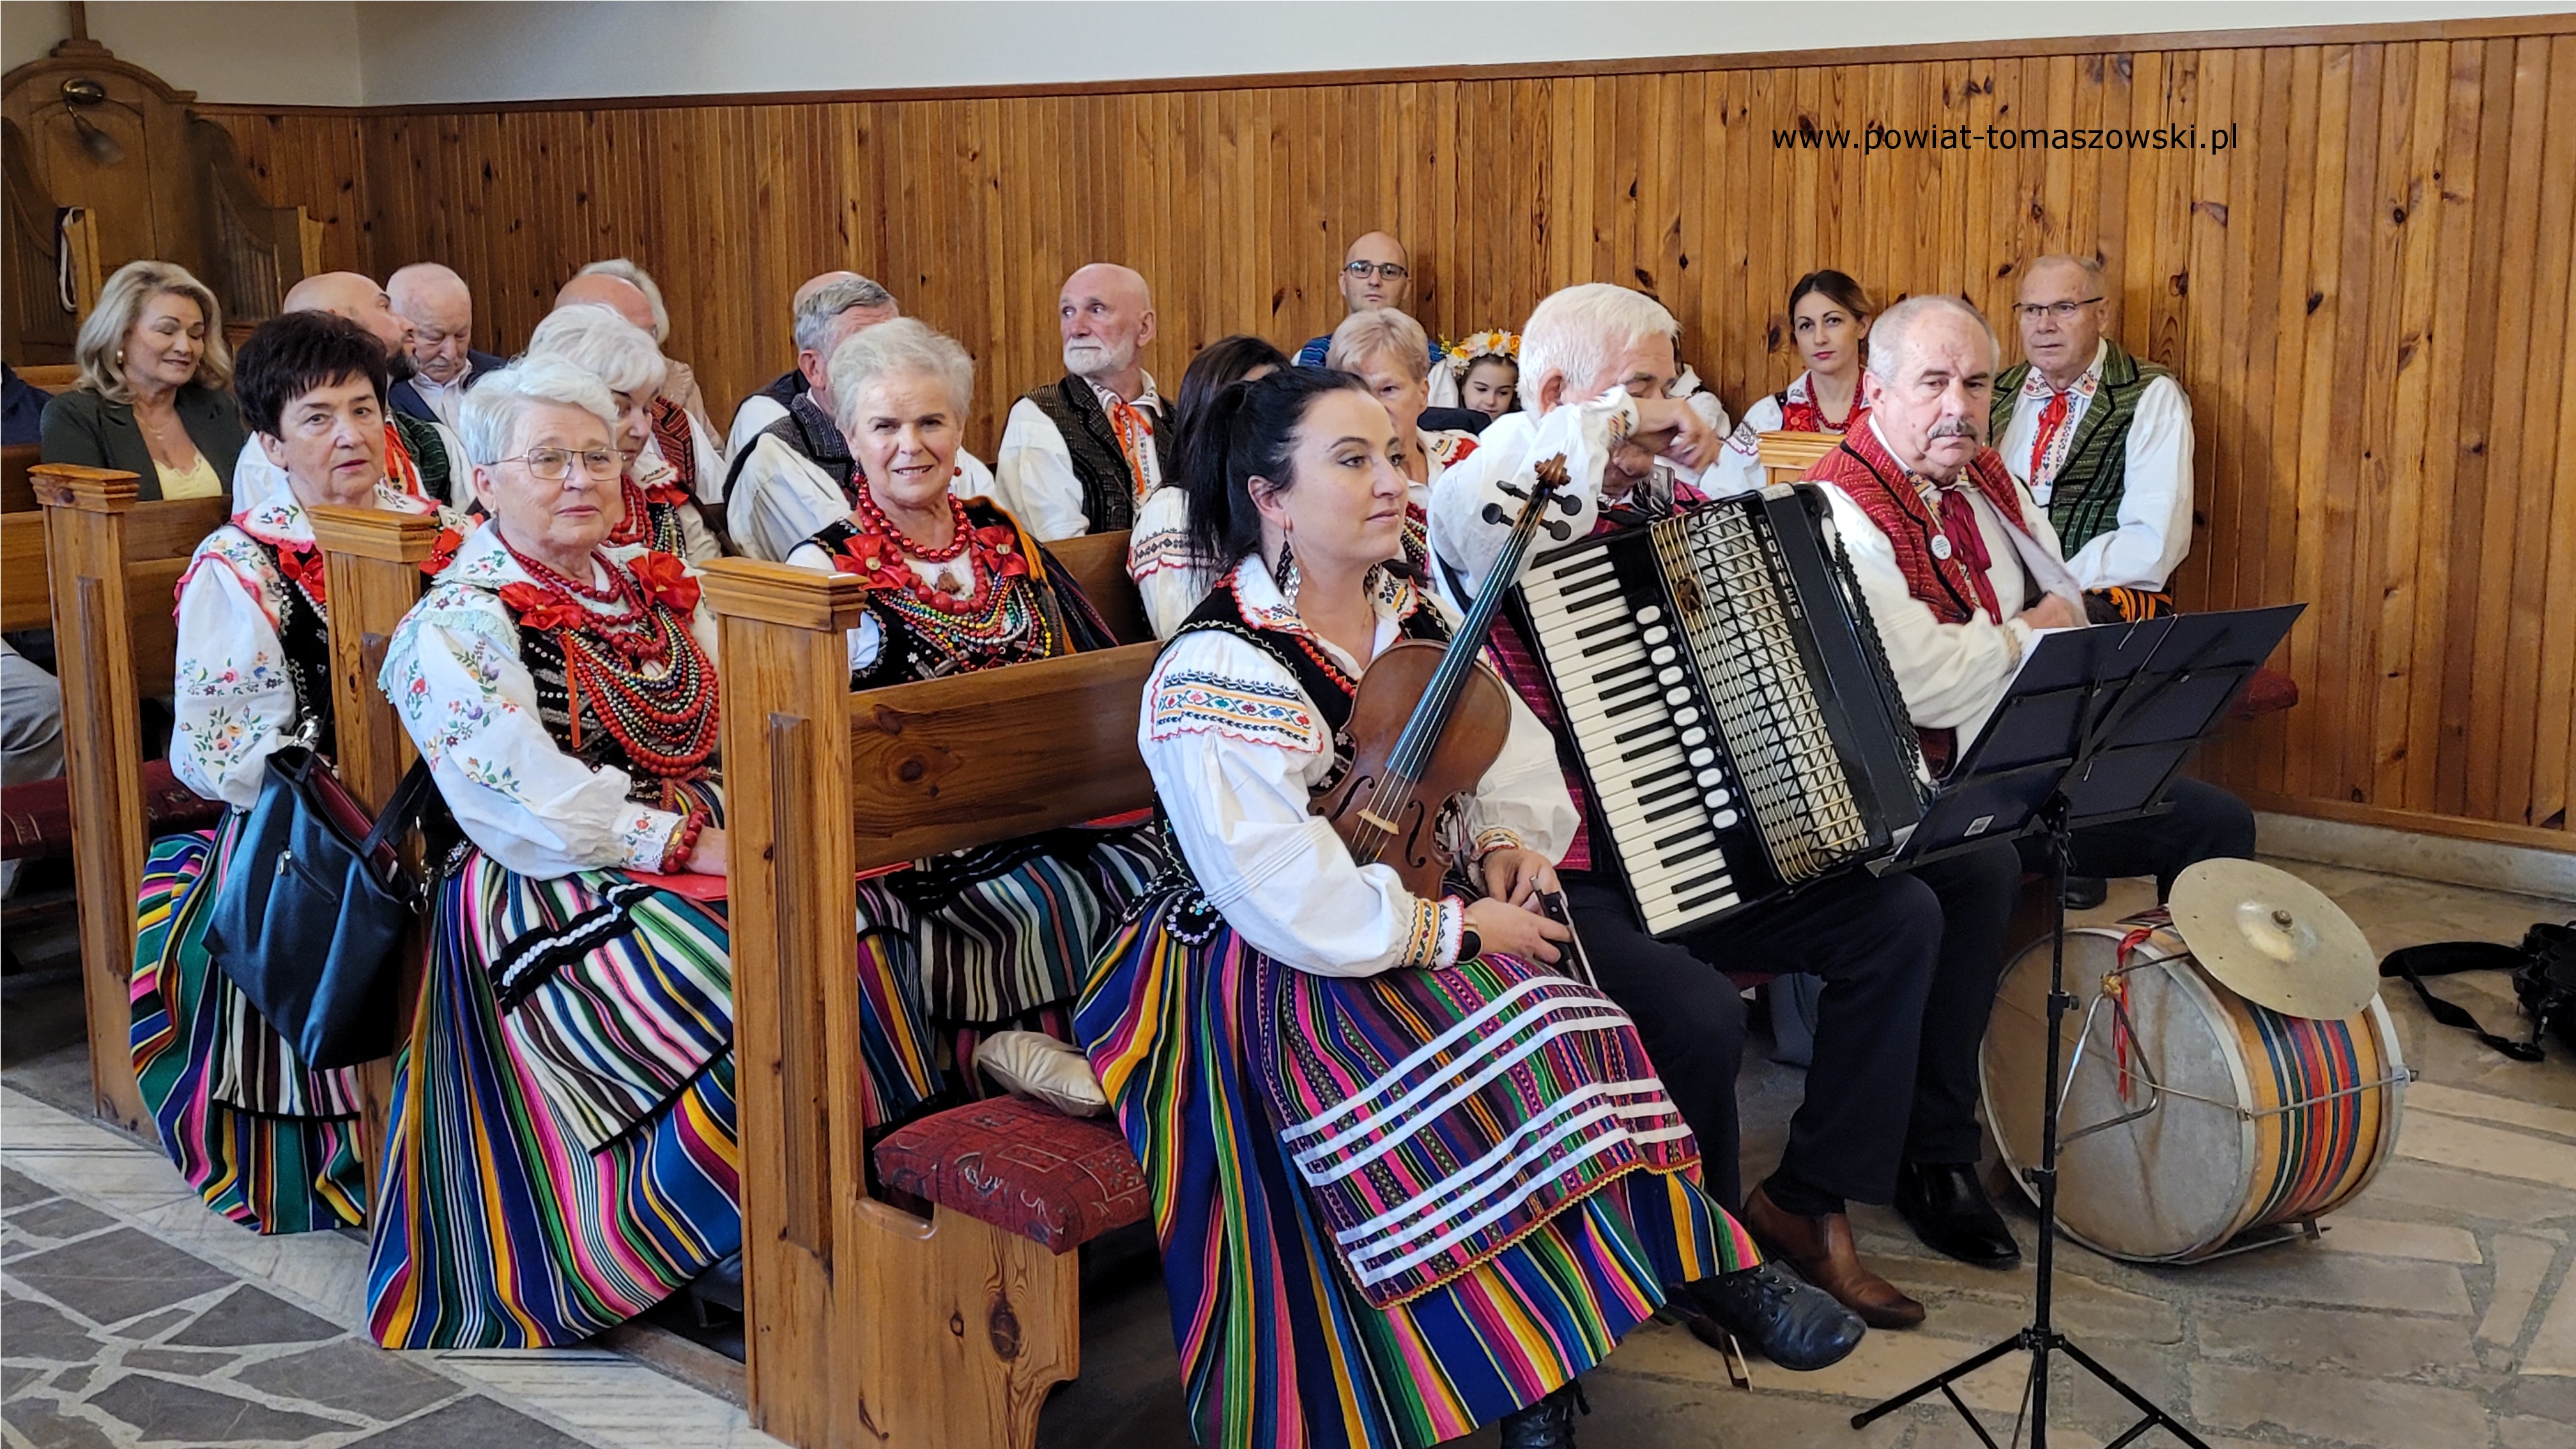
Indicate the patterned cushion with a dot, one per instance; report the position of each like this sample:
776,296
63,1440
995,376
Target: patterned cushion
1023,1167
36,818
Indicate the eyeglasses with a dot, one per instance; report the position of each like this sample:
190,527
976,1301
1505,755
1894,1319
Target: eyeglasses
2062,311
553,465
1391,271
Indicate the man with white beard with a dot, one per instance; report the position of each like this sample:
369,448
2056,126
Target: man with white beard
1080,453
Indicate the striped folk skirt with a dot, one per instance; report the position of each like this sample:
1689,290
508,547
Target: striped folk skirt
962,945
562,1154
1215,1063
265,1140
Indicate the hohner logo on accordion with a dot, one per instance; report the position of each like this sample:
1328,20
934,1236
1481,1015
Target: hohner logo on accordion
1732,707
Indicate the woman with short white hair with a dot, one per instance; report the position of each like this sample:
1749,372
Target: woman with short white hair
655,504
562,1144
1388,351
1000,936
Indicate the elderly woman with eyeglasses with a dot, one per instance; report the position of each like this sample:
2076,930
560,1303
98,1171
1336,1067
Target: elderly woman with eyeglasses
562,1145
656,506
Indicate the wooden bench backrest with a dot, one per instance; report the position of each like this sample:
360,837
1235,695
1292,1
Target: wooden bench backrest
17,489
841,1289
1786,457
51,376
109,563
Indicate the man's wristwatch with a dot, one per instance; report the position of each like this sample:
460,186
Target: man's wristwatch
1470,945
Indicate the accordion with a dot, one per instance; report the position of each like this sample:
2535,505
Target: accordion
1730,703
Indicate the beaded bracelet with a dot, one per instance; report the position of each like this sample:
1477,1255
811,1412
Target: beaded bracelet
675,858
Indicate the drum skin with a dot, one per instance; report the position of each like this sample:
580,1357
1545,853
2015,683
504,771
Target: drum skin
2183,1181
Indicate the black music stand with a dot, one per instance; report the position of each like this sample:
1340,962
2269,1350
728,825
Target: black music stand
2093,729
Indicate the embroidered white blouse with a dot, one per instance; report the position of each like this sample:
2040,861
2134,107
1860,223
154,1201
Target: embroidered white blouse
1739,469
1510,452
1171,580
1236,747
234,702
2153,528
454,674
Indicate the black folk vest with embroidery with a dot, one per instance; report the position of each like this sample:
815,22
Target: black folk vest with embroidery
1108,487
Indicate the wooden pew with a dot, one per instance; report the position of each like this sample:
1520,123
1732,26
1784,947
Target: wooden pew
864,1324
112,563
1786,457
17,485
371,567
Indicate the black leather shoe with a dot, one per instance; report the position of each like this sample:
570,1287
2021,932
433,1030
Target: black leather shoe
1795,1324
2086,892
1948,1209
1547,1424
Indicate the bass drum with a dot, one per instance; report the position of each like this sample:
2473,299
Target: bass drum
2262,1118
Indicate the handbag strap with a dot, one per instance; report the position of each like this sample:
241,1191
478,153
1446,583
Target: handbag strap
403,811
2447,958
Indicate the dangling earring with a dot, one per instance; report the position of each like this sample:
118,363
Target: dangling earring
1286,575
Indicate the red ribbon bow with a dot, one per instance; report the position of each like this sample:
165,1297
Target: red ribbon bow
538,609
666,581
1000,547
304,568
442,553
876,560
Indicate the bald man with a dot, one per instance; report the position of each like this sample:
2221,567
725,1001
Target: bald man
440,309
422,455
607,284
1376,272
682,436
1080,453
764,408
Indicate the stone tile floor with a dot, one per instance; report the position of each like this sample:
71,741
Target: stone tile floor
2436,1313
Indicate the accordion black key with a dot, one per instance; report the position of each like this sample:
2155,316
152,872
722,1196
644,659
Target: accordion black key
1730,702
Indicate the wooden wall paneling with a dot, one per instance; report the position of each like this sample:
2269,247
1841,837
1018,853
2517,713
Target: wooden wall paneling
2548,539
2377,400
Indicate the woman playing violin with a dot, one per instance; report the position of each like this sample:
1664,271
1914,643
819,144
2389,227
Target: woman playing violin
1303,1053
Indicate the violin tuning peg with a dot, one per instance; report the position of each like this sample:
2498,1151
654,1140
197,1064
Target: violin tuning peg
1513,489
1494,514
1558,531
1568,504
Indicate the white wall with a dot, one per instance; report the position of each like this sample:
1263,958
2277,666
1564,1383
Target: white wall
378,53
255,52
452,52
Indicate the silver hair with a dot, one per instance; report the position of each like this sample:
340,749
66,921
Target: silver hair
1580,331
643,280
1890,337
1380,332
488,422
814,318
598,341
2091,267
905,346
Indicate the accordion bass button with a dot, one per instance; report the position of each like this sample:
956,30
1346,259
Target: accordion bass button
1703,756
1686,716
1694,737
1677,696
1725,819
1710,779
1649,614
1656,635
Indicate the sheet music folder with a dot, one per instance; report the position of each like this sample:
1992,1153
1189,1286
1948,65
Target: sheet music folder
2110,713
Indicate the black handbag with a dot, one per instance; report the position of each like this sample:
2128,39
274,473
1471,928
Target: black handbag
2544,981
314,905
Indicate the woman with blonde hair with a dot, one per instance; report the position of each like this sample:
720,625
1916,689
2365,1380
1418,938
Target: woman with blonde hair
152,399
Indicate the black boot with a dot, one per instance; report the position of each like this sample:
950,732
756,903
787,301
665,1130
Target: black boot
1949,1210
1547,1424
1794,1323
2084,892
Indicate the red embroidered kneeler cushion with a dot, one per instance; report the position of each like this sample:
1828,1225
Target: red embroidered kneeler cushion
36,818
1021,1166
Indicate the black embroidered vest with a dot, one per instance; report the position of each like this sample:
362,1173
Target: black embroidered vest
1108,488
304,632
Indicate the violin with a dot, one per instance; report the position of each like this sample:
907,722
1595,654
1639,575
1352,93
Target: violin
1428,720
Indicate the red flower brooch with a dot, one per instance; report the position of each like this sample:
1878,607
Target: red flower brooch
540,608
442,553
665,580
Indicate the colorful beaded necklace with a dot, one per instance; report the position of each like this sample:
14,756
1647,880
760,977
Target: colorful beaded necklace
666,720
1000,614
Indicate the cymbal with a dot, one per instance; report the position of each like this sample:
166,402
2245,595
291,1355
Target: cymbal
2274,939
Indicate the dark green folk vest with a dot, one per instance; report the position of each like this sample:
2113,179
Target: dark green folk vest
2084,502
437,470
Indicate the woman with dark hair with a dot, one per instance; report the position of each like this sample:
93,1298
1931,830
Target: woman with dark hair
1360,1253
1828,319
1168,575
265,1140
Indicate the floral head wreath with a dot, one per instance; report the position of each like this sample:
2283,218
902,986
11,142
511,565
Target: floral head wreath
1463,354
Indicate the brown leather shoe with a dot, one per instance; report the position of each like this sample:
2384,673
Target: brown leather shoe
1822,1252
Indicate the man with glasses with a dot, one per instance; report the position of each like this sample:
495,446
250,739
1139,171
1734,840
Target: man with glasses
1376,272
2101,440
